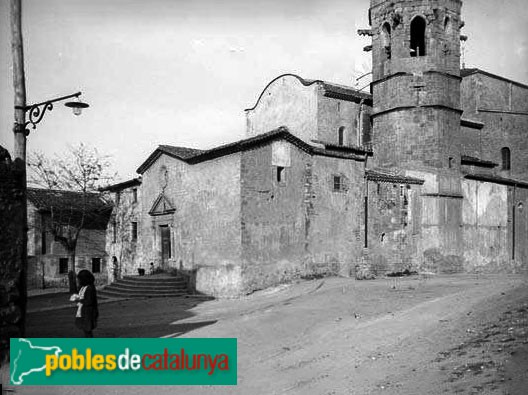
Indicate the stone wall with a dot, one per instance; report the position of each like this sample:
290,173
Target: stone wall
333,114
274,223
394,227
12,239
502,106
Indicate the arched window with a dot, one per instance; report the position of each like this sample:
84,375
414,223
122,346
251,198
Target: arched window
506,158
447,25
418,37
386,40
341,136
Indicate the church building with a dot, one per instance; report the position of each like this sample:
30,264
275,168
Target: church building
428,172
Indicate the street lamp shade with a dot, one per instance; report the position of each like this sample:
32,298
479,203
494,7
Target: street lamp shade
76,106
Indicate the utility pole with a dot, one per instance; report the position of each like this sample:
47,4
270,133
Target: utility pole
19,128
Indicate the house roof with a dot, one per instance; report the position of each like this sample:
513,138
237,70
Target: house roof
122,185
193,156
70,206
386,176
330,89
472,71
473,161
497,179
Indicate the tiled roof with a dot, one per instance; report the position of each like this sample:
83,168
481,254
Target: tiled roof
471,160
70,206
386,176
242,145
122,185
497,179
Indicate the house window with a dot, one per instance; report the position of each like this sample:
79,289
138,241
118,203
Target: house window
418,37
451,162
506,158
63,265
43,243
134,195
280,174
386,41
96,265
341,135
134,231
338,183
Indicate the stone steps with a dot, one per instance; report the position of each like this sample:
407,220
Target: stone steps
145,286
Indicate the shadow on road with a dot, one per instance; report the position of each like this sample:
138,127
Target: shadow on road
155,317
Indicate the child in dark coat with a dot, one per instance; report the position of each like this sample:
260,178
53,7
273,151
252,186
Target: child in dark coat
87,311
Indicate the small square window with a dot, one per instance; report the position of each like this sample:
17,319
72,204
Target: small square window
96,265
338,183
63,265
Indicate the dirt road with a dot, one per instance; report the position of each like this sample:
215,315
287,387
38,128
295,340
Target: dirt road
447,335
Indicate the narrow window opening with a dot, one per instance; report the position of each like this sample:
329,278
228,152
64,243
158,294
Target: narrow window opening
280,174
382,237
43,243
418,47
96,265
341,135
114,232
386,40
506,158
378,188
134,195
451,162
338,183
63,265
134,231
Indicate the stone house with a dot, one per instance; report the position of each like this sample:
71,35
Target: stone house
428,172
50,211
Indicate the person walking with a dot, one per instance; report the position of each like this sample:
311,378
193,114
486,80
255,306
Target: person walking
87,310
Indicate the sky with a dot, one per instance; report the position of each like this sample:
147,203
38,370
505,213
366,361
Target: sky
181,72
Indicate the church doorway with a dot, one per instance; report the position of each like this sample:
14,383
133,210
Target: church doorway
165,246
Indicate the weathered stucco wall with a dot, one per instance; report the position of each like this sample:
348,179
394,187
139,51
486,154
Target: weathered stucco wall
43,264
336,215
285,102
205,226
273,214
119,240
485,226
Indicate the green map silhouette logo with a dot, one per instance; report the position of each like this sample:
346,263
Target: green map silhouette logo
29,359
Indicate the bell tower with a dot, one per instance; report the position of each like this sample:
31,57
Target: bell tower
416,83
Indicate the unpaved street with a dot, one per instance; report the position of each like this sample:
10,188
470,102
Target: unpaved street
443,335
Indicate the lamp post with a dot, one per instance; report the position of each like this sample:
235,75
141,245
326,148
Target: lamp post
26,116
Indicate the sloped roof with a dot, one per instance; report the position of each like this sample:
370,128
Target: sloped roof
474,161
238,146
331,89
122,185
471,71
70,206
387,176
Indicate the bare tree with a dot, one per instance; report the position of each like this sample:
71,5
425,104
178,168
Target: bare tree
82,170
